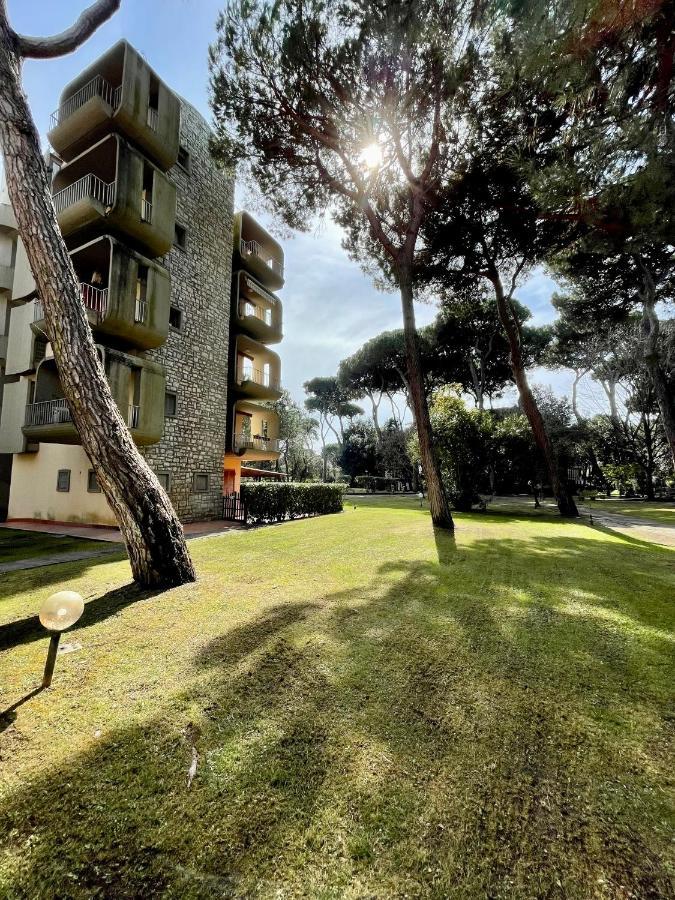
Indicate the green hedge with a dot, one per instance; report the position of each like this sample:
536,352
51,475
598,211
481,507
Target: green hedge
275,501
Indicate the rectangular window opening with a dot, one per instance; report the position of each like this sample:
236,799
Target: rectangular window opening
175,318
200,483
164,479
63,480
184,158
180,236
93,486
170,404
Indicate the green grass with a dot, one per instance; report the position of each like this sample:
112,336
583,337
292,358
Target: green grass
16,544
378,711
658,511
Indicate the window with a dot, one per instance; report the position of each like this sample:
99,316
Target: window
153,103
184,158
264,428
170,403
180,236
146,192
63,480
175,318
200,483
141,310
92,483
164,479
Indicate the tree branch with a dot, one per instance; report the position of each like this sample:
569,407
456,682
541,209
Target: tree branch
73,37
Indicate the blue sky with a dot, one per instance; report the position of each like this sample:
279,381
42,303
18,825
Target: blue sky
330,306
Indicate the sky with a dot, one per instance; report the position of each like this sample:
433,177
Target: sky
330,307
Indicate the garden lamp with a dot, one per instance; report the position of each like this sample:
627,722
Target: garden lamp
58,613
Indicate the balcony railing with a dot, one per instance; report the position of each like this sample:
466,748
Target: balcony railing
94,298
89,186
141,312
146,210
97,87
247,442
48,412
153,118
250,309
259,376
134,416
253,248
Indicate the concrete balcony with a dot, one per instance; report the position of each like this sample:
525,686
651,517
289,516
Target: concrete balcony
112,188
257,311
6,277
127,296
137,385
255,432
257,372
256,251
119,92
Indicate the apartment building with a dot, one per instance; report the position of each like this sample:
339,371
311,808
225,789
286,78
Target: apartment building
179,294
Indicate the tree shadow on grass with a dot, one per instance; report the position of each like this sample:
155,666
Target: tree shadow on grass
24,631
446,729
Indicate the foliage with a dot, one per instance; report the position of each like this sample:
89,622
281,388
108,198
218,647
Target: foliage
297,431
277,501
359,454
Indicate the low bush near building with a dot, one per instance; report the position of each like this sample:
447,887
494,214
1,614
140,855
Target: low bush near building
274,502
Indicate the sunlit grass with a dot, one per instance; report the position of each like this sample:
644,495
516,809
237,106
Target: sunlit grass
378,711
658,511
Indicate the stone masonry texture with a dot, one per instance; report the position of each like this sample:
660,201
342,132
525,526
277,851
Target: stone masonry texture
196,356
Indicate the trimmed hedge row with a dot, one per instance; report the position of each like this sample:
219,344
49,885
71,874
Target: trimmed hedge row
275,501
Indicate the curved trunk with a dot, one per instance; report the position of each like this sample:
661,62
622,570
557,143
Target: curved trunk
151,530
507,317
438,502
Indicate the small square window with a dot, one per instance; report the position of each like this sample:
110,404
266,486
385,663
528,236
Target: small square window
175,318
170,404
63,480
92,483
200,483
184,158
164,479
180,236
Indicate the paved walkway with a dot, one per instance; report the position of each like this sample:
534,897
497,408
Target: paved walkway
112,536
634,526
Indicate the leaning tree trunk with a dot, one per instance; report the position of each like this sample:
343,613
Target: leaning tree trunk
507,317
150,528
438,502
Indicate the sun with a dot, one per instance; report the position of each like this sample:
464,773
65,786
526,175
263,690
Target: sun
371,156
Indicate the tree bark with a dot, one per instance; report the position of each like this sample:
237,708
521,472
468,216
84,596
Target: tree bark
151,530
507,317
652,357
438,502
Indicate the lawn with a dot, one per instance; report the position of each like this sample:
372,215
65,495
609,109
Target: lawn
658,511
16,544
376,711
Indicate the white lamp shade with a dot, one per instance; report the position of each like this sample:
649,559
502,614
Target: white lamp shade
61,610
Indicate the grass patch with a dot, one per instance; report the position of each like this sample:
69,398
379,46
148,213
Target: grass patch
16,544
377,710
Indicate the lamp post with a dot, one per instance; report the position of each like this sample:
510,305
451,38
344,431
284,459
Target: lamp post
59,612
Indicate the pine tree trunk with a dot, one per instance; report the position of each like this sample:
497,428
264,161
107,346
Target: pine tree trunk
507,317
438,502
652,357
150,528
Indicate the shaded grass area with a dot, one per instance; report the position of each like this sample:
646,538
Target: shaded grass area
377,710
16,544
657,511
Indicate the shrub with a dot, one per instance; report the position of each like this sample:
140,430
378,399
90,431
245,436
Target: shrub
275,501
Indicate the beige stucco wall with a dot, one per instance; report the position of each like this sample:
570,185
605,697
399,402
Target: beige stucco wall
24,284
33,493
20,341
14,399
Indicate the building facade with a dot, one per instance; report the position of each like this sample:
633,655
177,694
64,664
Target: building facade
148,221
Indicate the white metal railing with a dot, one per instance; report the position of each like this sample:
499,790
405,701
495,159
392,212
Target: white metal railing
153,118
134,415
97,87
247,442
259,376
253,248
250,309
48,412
94,298
146,210
141,311
88,186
